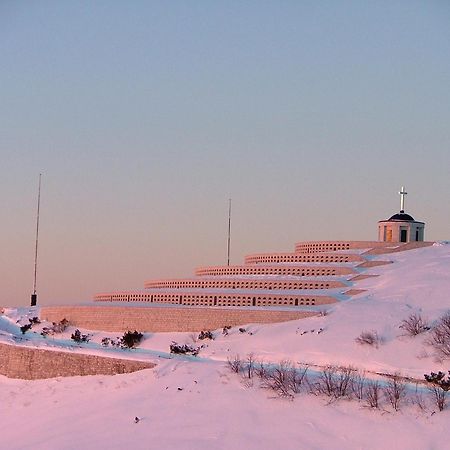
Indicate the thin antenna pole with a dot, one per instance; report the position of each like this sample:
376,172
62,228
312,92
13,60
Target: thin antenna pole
229,231
34,295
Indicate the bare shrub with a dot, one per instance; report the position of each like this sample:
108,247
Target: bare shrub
395,391
440,337
439,386
417,398
235,364
373,393
297,378
358,384
414,325
249,366
335,381
439,396
285,379
368,338
261,370
278,379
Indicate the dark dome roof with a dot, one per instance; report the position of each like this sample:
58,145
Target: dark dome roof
403,217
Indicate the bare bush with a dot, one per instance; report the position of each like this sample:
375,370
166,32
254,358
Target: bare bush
298,377
335,381
235,364
261,370
278,379
358,384
249,366
285,379
373,393
440,337
417,398
414,325
439,396
368,338
395,391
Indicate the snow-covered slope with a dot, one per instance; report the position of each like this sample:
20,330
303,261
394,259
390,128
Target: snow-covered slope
198,403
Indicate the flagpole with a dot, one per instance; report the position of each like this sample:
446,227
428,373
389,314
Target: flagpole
34,295
229,231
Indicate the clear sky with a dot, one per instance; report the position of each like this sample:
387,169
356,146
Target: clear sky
146,116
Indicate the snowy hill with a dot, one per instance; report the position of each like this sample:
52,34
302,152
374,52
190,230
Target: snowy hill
199,403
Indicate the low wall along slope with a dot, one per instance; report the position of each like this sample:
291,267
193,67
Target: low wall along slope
32,363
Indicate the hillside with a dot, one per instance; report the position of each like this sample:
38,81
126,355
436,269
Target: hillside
199,403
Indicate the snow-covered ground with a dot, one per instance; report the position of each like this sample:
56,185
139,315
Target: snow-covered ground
198,403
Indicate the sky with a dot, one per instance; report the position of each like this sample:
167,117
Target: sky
146,117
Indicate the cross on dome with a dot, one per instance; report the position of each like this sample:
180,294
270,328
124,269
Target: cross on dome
402,199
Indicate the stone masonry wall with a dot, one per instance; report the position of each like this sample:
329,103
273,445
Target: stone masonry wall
32,363
162,319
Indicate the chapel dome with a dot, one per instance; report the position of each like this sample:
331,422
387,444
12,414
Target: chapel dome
402,216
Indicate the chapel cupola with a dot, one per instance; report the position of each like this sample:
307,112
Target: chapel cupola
401,227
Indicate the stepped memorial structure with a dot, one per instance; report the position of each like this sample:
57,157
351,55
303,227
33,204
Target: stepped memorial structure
314,274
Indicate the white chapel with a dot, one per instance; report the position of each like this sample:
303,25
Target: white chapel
401,227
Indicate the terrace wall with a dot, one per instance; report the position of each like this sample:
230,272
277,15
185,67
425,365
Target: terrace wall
238,283
216,299
332,246
266,258
256,269
163,319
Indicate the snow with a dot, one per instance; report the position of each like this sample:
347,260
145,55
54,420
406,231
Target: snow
198,403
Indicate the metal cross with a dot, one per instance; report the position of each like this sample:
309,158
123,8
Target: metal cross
402,199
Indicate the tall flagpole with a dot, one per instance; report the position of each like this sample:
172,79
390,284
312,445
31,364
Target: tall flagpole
34,295
229,231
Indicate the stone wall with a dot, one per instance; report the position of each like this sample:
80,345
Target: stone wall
32,363
163,319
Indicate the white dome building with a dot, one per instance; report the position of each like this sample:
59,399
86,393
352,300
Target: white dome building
401,227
